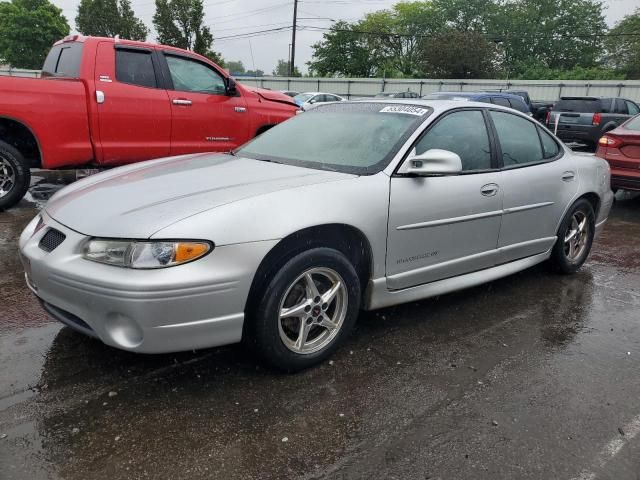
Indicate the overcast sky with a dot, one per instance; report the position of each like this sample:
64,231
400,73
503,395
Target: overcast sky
232,17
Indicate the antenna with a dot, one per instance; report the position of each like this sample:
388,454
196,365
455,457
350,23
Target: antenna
253,63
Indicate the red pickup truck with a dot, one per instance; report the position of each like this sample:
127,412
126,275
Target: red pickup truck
103,102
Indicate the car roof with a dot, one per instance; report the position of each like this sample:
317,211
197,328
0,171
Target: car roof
437,105
481,94
318,93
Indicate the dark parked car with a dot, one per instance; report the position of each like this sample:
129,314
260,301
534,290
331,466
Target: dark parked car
586,119
406,94
621,148
499,98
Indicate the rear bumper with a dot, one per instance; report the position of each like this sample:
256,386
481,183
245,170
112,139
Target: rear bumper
577,133
625,179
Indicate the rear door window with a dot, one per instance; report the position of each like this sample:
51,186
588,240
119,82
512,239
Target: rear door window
63,60
136,68
518,138
621,107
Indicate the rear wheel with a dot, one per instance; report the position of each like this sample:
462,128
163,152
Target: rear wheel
307,309
575,237
15,176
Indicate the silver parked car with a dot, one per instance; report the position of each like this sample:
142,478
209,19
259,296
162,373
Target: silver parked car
282,243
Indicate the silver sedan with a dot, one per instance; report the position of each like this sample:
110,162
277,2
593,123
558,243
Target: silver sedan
282,242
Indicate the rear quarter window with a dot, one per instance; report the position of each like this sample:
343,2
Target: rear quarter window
63,60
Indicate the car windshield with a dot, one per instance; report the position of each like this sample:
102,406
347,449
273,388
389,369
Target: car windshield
303,97
446,96
358,138
633,124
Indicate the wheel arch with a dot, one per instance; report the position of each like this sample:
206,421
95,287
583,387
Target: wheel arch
593,198
21,136
347,239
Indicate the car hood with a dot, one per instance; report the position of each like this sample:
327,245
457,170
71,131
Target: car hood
139,200
271,95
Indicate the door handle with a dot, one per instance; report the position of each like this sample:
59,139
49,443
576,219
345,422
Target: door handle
568,176
489,190
182,101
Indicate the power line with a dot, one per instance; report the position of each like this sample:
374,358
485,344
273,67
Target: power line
493,35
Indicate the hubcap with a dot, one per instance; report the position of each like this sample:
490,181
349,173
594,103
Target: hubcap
312,310
7,177
576,237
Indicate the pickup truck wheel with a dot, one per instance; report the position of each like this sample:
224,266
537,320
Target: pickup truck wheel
15,176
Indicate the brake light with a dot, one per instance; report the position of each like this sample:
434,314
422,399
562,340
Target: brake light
609,141
548,117
597,118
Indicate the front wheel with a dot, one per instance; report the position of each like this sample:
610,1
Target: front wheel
15,176
306,310
575,237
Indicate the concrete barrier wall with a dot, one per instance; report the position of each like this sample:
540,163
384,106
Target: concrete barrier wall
367,87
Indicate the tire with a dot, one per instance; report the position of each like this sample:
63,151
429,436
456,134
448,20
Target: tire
574,238
15,176
277,339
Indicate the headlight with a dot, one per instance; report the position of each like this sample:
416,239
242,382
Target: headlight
144,255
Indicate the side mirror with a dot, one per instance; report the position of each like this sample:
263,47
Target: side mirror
432,162
312,101
232,89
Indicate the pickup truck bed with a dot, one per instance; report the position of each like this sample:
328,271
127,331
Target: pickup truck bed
104,102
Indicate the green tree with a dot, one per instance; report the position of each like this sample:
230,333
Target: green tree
623,50
255,73
180,23
343,52
28,28
282,69
236,67
556,34
108,18
456,54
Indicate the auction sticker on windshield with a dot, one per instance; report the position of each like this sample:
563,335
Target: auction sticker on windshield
409,110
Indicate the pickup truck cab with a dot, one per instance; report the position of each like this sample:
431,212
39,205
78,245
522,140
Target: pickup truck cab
104,102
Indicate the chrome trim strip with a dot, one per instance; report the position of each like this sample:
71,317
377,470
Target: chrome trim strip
391,279
476,216
447,221
227,318
526,207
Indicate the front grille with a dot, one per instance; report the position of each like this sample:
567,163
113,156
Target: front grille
51,240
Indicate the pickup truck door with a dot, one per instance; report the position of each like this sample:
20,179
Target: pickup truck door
134,115
204,117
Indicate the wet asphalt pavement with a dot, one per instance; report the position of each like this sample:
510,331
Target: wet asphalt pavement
534,376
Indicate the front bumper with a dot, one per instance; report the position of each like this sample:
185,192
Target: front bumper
191,306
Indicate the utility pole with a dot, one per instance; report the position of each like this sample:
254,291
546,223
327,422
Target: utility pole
292,59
